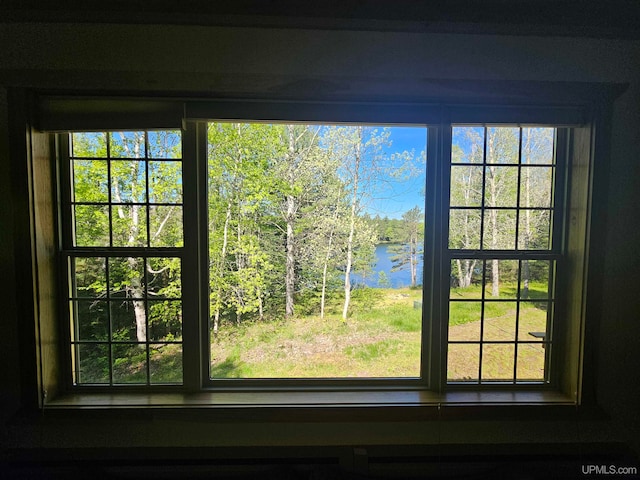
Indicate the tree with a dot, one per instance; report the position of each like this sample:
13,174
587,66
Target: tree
366,168
407,254
241,192
466,191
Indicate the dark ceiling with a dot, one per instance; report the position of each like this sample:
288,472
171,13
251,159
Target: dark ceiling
602,18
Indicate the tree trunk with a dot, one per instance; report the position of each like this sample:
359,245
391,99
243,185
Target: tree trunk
223,254
290,272
352,225
527,220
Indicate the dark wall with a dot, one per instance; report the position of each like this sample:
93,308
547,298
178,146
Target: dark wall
317,63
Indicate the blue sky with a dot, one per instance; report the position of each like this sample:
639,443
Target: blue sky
396,197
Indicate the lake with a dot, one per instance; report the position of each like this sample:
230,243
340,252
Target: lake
383,263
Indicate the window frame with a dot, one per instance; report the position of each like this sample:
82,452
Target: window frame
195,381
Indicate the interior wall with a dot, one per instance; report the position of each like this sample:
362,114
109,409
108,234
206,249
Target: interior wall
319,63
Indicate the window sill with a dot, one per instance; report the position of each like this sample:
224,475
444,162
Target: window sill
410,398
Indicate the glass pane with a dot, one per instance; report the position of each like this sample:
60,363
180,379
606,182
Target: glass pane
127,145
126,277
165,182
463,361
532,322
499,229
129,225
165,144
91,225
499,321
165,363
315,245
90,181
498,362
128,321
90,277
535,279
165,223
537,145
165,321
535,187
129,363
535,230
464,229
128,181
89,144
467,145
464,321
466,278
93,363
501,186
92,319
164,277
501,279
503,144
530,362
466,186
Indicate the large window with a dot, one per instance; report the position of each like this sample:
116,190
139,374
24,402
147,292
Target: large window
386,254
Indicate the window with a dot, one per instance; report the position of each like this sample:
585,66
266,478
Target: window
503,213
124,249
299,252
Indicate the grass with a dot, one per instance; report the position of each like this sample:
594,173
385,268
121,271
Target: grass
381,338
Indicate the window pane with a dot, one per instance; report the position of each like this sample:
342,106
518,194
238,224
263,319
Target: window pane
466,186
127,145
531,358
538,145
165,225
316,239
129,225
165,182
535,230
90,181
501,279
466,278
92,319
535,187
499,229
501,187
165,320
467,145
503,145
126,277
464,229
464,321
91,226
532,322
534,282
164,277
90,277
499,321
165,144
463,361
165,363
498,362
128,181
129,363
89,144
92,363
127,319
